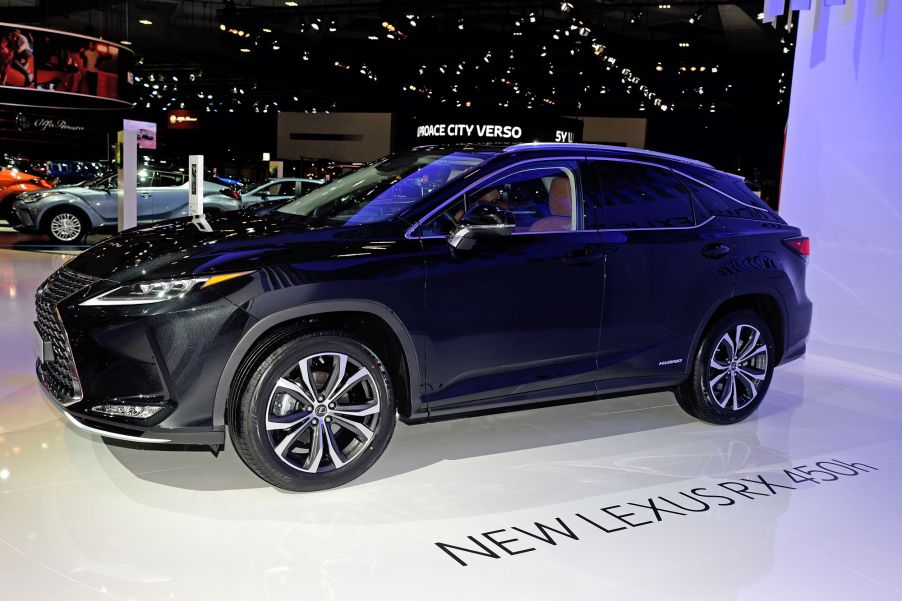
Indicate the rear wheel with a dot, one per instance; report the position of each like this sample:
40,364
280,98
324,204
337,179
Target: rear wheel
65,226
732,370
316,413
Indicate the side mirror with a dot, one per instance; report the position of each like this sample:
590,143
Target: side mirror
482,220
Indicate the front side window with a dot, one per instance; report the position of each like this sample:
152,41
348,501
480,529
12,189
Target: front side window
543,197
386,187
640,196
169,179
286,189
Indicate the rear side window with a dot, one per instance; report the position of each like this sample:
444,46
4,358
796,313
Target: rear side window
643,196
737,201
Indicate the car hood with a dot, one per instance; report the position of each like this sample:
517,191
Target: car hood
82,193
235,242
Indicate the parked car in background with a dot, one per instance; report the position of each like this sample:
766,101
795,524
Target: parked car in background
70,213
14,182
282,188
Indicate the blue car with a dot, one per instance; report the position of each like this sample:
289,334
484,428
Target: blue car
68,214
433,283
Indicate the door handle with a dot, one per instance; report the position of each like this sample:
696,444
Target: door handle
715,250
583,256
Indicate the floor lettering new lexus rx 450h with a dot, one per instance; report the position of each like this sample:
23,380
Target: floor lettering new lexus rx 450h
432,283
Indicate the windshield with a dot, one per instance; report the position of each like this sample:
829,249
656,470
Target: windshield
383,189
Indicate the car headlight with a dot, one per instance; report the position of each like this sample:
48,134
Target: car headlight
143,293
36,196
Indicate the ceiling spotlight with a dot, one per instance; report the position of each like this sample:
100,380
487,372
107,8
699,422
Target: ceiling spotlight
267,30
222,27
125,43
291,3
584,31
145,21
245,50
566,7
659,67
315,26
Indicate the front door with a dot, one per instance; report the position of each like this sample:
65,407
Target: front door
516,315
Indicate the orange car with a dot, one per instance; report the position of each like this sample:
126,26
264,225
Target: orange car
12,183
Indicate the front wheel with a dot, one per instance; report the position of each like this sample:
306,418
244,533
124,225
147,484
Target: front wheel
316,412
732,370
65,226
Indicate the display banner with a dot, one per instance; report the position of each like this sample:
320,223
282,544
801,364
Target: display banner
53,69
146,132
488,129
196,185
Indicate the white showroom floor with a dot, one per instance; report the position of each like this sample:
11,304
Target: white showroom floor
80,519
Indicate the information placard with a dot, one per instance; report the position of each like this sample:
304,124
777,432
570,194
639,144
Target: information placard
196,185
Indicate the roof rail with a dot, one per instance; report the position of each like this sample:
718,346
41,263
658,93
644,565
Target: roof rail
588,147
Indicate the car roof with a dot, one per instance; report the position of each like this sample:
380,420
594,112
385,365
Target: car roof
604,149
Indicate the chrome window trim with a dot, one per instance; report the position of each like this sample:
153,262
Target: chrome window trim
409,232
657,229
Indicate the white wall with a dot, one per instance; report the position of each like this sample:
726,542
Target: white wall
346,137
842,177
629,131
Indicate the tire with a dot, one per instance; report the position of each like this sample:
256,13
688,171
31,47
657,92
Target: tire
725,388
278,393
65,226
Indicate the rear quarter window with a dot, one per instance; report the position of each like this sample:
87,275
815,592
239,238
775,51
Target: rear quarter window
729,197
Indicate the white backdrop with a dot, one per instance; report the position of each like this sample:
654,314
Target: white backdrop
842,178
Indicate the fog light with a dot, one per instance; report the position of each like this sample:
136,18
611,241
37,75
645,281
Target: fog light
132,411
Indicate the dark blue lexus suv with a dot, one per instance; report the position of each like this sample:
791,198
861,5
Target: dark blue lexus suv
431,283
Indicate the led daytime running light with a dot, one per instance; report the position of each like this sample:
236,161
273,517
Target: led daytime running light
144,293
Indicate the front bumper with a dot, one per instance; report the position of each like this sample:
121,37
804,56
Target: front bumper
24,221
129,432
144,355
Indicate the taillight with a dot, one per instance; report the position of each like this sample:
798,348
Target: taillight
800,245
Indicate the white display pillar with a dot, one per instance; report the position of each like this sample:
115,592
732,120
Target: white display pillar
196,185
127,160
196,192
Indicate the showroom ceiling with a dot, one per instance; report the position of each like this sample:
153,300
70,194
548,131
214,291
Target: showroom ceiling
579,57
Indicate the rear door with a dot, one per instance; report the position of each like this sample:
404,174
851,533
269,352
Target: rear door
668,263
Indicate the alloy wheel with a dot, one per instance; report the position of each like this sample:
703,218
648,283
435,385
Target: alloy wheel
738,367
322,412
65,227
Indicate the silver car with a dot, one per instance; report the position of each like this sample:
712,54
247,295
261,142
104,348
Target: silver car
70,213
281,188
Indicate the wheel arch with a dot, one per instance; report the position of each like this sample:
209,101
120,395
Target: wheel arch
767,304
375,323
41,221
